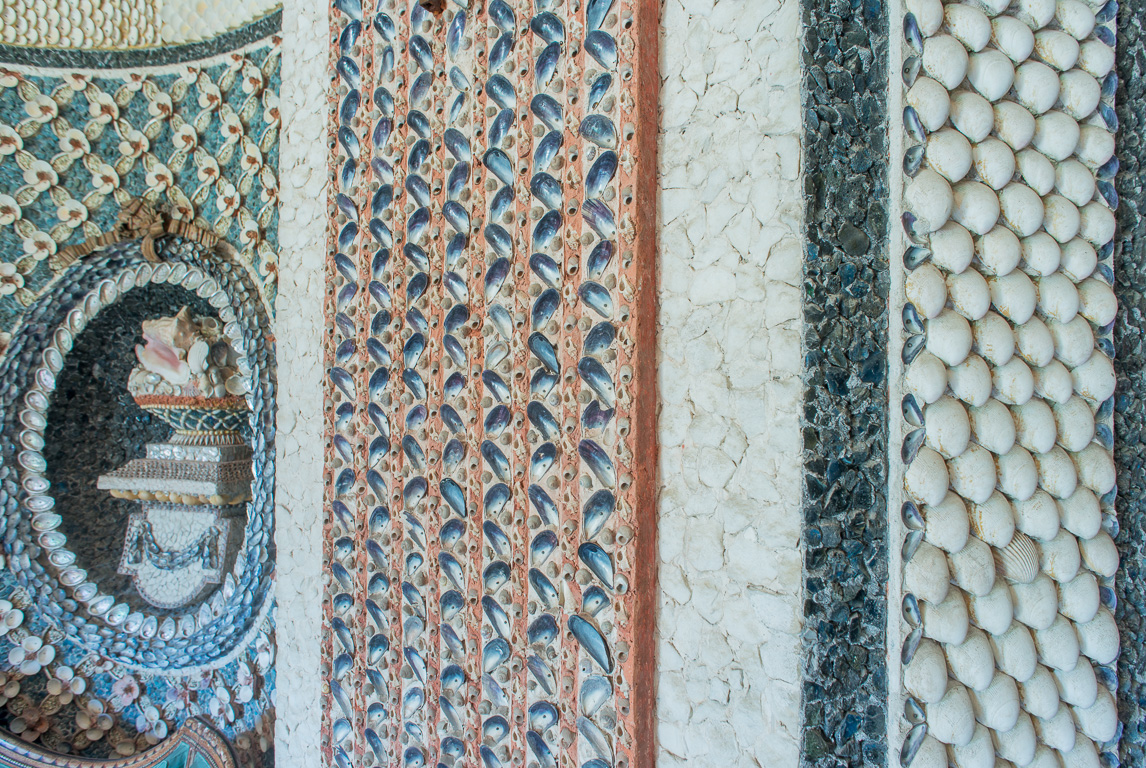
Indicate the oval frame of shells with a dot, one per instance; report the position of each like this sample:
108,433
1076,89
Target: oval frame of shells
1009,556
208,633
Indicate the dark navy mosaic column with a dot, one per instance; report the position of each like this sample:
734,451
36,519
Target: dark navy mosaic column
845,410
1130,396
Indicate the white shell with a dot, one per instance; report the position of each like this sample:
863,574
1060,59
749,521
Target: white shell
1096,302
1034,343
1096,58
1078,93
1013,382
1099,721
932,754
1017,478
999,251
972,115
926,575
1057,732
1075,423
1037,171
949,154
991,73
1078,598
1013,124
1081,513
993,521
1094,379
1075,17
928,13
932,102
1096,223
1038,516
1018,743
972,662
1058,298
930,198
968,25
1035,429
1057,49
970,381
1036,604
1058,646
1084,755
994,163
1095,145
1078,259
1061,218
1014,296
997,707
945,60
926,290
1057,475
1021,209
1095,468
948,429
946,524
951,720
1075,182
1013,38
1059,556
1099,554
926,377
1041,253
1045,756
1040,693
1036,86
1053,382
980,751
946,621
993,428
994,340
925,677
969,294
976,206
1073,341
1077,685
994,611
949,337
1036,14
1018,562
1056,135
972,568
952,247
1098,638
972,474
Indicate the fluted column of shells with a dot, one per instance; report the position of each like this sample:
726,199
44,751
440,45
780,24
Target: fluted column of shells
1008,559
480,522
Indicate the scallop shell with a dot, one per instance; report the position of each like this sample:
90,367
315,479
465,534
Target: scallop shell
1036,603
1018,562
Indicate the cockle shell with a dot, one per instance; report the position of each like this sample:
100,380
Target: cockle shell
1075,182
1038,516
1096,302
1013,38
946,524
1074,423
1096,58
994,611
1058,49
1100,555
1036,603
949,154
930,198
1094,379
951,720
932,102
948,429
1014,124
1095,145
1081,514
999,251
1078,598
1057,475
926,575
993,427
925,677
945,59
1079,93
926,377
1061,218
1058,646
1018,562
970,381
1036,86
952,247
1059,557
1012,382
1056,135
946,621
993,339
1084,755
976,206
969,294
949,337
1017,478
1036,170
926,290
1096,223
972,662
968,25
993,521
1013,296
1054,382
928,14
997,707
990,73
1098,638
1039,694
1021,208
1035,429
1058,731
1017,744
1058,298
1073,341
1041,253
972,115
972,567
1075,17
1095,468
1036,14
926,478
972,474
1034,343
1099,721
977,753
994,163
1077,684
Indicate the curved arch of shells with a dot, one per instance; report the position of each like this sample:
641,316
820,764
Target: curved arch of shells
201,141
1009,556
480,526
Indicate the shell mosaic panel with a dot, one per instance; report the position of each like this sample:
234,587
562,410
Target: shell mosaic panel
489,506
87,667
1009,559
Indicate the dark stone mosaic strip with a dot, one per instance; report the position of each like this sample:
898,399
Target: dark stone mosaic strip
66,58
845,419
1130,395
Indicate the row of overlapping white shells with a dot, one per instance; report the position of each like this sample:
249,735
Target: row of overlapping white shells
1010,476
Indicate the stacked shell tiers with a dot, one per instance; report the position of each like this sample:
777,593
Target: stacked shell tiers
479,530
1008,385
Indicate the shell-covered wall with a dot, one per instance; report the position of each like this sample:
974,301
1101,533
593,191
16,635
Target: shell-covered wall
1008,558
488,512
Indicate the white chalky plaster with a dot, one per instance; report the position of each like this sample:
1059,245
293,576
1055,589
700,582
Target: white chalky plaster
299,325
730,213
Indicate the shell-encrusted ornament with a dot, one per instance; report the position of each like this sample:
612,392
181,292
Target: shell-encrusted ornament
1014,124
1036,86
946,524
1058,49
1075,182
1096,58
997,706
1058,647
926,478
1096,223
972,474
1081,513
970,381
1018,562
1037,516
945,60
949,154
948,430
1098,638
993,521
1015,474
1059,557
990,73
951,720
1056,135
969,294
1094,379
972,568
1061,218
977,753
968,25
994,611
1096,302
926,575
1036,603
1058,731
1078,598
952,247
946,621
925,677
1074,423
1095,145
1021,208
1039,694
1037,171
993,427
1084,755
1036,14
972,662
